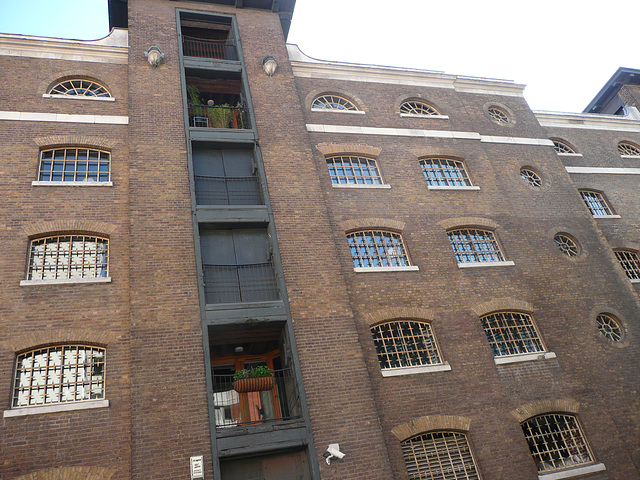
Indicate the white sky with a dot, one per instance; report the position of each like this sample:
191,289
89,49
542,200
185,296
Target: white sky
563,50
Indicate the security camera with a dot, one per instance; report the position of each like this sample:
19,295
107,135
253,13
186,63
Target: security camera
333,451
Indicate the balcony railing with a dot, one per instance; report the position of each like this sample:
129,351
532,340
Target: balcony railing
198,47
240,283
228,190
236,409
217,116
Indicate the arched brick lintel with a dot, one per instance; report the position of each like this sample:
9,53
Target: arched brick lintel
61,226
500,304
368,223
392,313
539,407
89,336
330,149
461,222
430,423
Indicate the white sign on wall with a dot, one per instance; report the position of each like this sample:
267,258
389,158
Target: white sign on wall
197,467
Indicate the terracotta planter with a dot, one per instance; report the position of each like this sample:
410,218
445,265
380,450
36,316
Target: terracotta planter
256,384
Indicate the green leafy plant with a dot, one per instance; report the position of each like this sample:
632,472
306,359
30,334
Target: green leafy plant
253,372
194,95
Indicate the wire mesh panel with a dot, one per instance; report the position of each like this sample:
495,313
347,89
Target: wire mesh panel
443,172
68,373
371,248
198,47
228,190
68,257
595,202
471,245
74,165
556,441
354,171
405,344
630,262
240,283
439,456
511,333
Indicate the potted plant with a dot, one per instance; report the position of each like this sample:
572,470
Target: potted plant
255,379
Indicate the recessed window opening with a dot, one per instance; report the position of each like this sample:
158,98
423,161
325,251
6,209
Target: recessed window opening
609,327
444,172
74,164
498,115
530,177
566,245
216,100
333,102
596,203
629,149
472,245
207,36
79,87
405,343
418,107
345,170
562,147
377,248
511,333
630,262
68,257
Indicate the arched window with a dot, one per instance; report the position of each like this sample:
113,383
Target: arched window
630,263
57,374
628,149
405,343
377,248
439,455
353,170
333,102
473,245
63,257
511,333
417,107
563,148
596,202
445,172
79,87
74,164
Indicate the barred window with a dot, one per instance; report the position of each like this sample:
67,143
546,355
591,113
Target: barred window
376,248
511,333
80,87
333,102
347,170
596,203
566,245
68,257
630,262
57,374
609,327
556,441
74,165
471,245
439,456
498,115
629,149
562,147
405,344
418,107
444,172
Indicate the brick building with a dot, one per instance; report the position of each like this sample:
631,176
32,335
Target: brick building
443,282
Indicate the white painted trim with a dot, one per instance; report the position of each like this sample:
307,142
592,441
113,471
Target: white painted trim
455,187
568,154
40,183
336,110
64,281
507,263
408,268
588,121
604,170
516,140
396,372
416,115
572,472
631,157
527,357
79,97
607,216
635,280
55,408
64,118
359,185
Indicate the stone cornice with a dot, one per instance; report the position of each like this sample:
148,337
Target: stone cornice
588,121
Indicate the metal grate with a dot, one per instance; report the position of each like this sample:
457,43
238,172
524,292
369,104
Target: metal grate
332,102
416,107
566,245
74,165
354,171
595,202
498,115
556,441
81,88
228,190
562,147
375,248
439,456
630,262
69,256
240,283
511,333
629,149
475,246
444,172
198,47
609,327
405,344
57,374
531,177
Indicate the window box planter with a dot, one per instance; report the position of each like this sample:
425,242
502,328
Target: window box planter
256,384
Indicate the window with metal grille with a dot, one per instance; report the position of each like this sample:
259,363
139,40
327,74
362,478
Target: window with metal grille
556,441
377,248
609,327
444,172
498,115
511,333
562,147
333,102
74,165
417,107
628,149
472,245
57,374
630,262
79,87
345,170
596,203
439,456
405,344
68,257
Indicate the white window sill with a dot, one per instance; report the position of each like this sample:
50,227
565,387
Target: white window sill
453,187
335,110
360,185
607,216
79,97
635,280
409,268
485,264
632,157
40,183
527,357
416,115
55,408
570,154
396,372
63,281
573,472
